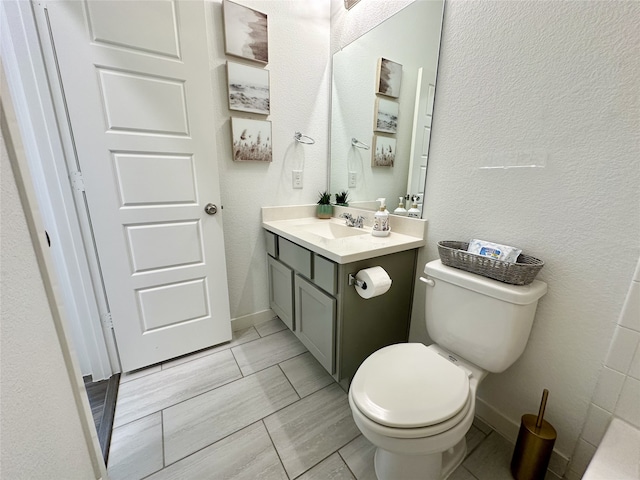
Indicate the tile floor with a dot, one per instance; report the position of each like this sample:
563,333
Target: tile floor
258,407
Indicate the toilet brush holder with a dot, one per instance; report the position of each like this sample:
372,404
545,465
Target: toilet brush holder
534,446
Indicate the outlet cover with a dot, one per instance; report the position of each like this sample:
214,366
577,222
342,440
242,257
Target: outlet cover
352,180
297,179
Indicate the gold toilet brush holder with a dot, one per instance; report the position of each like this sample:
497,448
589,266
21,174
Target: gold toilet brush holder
534,446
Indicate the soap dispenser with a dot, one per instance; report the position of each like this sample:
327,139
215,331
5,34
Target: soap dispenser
400,210
383,204
413,212
381,226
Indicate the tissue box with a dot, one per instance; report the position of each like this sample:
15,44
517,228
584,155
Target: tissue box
522,272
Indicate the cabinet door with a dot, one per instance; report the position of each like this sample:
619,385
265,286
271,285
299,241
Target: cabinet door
315,322
281,290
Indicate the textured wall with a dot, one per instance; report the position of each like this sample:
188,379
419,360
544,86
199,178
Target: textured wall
299,69
560,79
41,432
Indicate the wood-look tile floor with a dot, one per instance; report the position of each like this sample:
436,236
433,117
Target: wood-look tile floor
96,393
258,407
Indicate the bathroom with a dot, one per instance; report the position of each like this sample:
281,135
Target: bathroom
560,77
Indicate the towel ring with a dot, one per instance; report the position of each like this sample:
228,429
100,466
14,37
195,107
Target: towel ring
304,139
358,144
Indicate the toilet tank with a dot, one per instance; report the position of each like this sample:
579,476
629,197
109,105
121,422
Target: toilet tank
484,321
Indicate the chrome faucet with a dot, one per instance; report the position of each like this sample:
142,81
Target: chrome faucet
349,220
353,222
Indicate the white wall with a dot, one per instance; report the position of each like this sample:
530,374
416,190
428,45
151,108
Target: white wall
42,435
299,69
561,78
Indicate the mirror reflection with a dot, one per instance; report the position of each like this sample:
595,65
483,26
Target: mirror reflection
411,39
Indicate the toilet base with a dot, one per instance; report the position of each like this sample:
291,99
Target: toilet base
452,458
436,466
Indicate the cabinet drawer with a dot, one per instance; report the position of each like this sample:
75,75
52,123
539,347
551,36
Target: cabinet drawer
296,257
325,274
272,245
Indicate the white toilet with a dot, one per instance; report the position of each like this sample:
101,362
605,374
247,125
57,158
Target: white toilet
416,403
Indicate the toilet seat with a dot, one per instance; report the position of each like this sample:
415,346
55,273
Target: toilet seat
410,386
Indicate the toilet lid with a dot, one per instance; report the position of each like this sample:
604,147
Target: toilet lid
408,386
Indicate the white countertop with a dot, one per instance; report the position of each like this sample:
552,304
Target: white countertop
290,222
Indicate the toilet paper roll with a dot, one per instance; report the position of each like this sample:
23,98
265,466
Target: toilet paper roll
376,280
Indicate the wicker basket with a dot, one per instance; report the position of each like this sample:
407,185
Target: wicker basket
522,272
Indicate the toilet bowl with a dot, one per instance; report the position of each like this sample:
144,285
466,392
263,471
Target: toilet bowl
415,404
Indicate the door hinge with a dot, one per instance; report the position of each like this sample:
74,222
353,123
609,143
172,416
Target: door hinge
77,182
107,321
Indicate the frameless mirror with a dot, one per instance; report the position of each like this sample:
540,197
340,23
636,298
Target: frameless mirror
398,127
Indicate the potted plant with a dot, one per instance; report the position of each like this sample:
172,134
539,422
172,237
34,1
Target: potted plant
324,209
342,198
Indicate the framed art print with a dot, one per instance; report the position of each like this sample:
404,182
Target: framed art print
384,151
245,32
389,78
348,4
386,116
251,140
248,88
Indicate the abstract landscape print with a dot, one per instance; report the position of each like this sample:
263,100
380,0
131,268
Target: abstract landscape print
245,32
248,88
251,140
386,118
389,78
384,151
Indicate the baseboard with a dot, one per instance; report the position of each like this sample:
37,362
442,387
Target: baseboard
252,319
509,430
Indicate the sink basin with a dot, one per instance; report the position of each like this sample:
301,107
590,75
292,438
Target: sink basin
331,230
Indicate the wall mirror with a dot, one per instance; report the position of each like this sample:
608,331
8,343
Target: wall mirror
410,38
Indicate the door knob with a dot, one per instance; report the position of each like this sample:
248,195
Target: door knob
211,209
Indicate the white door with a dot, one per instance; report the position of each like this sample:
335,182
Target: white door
422,116
135,77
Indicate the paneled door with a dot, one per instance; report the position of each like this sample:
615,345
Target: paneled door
136,83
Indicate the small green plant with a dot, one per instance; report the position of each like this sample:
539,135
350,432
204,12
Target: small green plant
342,198
324,208
325,198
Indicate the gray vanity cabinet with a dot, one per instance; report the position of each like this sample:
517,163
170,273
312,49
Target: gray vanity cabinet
312,296
302,286
365,326
281,290
315,314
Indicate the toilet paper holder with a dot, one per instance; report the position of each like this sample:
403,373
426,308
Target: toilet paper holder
354,281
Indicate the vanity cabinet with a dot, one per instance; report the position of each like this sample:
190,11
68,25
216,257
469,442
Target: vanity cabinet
281,290
315,313
312,296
